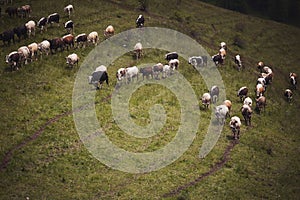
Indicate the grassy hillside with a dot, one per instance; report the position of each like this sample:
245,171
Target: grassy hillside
42,156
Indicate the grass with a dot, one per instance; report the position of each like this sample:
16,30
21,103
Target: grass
56,165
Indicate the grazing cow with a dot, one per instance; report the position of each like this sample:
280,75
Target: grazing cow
248,101
138,49
157,68
93,37
293,80
238,62
33,48
223,45
260,66
21,31
12,11
174,64
55,44
242,93
24,54
7,36
68,41
44,47
69,9
221,113
24,11
217,59
109,31
81,40
140,21
246,112
259,90
30,26
288,94
13,59
171,55
262,81
127,73
147,71
42,24
206,100
166,72
72,59
99,76
235,125
121,74
198,61
261,103
53,18
69,26
228,104
214,93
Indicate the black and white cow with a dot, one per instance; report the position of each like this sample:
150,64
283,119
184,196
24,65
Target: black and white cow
198,61
42,24
242,93
7,36
288,94
140,21
13,60
218,59
69,26
81,40
293,80
53,18
69,9
238,61
171,55
21,31
99,76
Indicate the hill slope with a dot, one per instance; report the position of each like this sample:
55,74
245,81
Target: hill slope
42,156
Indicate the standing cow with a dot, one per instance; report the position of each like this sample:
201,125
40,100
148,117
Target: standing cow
68,41
69,9
246,112
93,38
81,40
242,93
13,60
98,77
69,26
140,21
293,80
7,37
214,93
138,49
235,125
238,62
109,31
42,24
72,59
44,47
206,100
24,54
288,94
53,18
30,26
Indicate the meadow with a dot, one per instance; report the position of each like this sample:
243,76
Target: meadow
43,157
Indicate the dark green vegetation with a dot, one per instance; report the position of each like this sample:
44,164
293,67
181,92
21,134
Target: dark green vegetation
56,165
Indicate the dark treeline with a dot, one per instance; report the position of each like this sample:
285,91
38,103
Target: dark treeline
287,11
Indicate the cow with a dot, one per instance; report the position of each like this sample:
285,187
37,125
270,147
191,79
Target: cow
53,18
217,59
140,21
12,11
93,38
288,94
267,70
166,72
268,77
128,73
109,31
30,26
198,61
72,59
238,62
293,80
248,101
221,112
68,41
138,49
261,103
147,71
242,93
235,125
69,9
24,54
223,45
206,100
81,40
44,47
262,81
33,48
259,90
21,31
174,64
24,11
98,77
7,37
121,74
55,44
260,66
246,112
222,52
158,68
171,55
69,26
228,104
13,60
214,93
42,24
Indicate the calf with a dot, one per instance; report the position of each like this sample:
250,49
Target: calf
288,94
42,24
33,48
140,21
246,112
68,41
99,76
21,31
221,112
93,37
13,60
69,26
109,31
30,26
171,55
24,54
198,61
81,40
235,125
206,100
214,93
7,36
261,104
44,47
147,71
69,9
138,49
242,93
293,80
72,59
53,18
238,62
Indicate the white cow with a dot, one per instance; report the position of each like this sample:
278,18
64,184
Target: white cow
44,47
93,37
30,26
248,101
109,31
24,53
33,48
72,59
206,99
221,113
138,49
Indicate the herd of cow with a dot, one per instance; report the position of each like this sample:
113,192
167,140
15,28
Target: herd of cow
28,53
